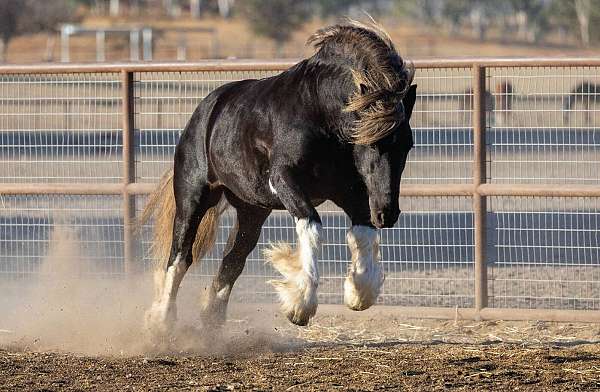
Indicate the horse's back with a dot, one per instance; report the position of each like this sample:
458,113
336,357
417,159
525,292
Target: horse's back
194,143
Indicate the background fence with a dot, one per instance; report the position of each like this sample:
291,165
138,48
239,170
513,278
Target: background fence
500,197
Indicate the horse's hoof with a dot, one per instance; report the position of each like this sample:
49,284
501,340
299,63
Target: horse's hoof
356,300
159,320
212,321
299,319
298,302
213,312
361,291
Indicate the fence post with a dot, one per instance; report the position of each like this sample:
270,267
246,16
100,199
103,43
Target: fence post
479,177
128,172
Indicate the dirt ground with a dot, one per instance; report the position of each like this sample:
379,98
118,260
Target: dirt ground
393,366
340,350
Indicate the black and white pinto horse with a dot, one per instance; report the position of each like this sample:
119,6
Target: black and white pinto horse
333,127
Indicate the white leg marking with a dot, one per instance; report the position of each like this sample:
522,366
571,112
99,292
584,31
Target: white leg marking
298,291
214,305
213,301
163,312
309,235
272,188
223,294
365,276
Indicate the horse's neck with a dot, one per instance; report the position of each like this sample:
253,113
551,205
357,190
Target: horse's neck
333,87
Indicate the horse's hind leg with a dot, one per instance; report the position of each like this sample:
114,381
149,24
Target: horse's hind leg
242,240
193,198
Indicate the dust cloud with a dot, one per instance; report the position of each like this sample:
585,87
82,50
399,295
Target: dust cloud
64,310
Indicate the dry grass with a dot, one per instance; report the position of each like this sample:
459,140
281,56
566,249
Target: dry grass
378,326
235,39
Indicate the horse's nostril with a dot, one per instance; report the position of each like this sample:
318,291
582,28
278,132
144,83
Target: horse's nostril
380,218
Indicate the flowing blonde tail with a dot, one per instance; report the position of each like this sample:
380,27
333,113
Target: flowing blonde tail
161,206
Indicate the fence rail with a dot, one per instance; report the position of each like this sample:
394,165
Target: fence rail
150,100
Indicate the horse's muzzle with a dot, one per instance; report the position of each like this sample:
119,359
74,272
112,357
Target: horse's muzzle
384,219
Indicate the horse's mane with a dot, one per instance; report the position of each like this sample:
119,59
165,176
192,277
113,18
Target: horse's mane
379,84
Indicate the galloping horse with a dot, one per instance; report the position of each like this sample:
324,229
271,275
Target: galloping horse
333,127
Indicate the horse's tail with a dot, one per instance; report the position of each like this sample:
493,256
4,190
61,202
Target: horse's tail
161,206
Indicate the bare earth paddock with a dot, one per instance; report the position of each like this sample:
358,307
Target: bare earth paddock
69,333
341,350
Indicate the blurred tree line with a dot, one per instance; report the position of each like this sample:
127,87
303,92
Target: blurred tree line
530,20
33,16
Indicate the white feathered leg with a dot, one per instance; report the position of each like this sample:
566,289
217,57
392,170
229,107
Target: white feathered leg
365,277
298,291
162,314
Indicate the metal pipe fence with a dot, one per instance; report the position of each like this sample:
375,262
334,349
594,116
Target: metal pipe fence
500,197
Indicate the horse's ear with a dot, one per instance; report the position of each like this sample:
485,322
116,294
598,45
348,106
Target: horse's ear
409,100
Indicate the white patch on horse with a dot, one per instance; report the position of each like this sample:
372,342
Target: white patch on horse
365,276
309,234
223,294
272,188
298,291
163,311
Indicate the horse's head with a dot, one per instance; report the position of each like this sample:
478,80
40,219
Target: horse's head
377,103
381,165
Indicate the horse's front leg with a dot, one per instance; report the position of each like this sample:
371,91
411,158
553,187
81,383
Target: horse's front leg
298,290
365,275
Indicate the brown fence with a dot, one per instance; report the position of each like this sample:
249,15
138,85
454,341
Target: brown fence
473,98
